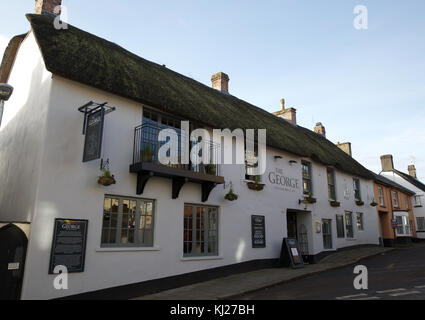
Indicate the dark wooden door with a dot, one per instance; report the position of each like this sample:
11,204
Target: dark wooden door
292,225
13,248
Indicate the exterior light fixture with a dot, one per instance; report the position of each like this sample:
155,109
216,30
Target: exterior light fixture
5,93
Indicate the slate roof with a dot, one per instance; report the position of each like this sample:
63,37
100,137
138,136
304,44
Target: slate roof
411,180
83,57
389,183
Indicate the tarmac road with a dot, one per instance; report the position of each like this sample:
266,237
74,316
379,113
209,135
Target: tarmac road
396,275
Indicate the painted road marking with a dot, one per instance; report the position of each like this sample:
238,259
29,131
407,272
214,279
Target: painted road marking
352,296
404,293
369,298
391,291
420,287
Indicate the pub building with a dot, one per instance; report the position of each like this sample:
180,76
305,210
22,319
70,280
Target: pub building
81,103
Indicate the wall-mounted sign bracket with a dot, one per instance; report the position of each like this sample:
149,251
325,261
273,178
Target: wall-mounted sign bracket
91,108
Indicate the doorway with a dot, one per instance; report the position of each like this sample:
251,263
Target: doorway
13,249
297,222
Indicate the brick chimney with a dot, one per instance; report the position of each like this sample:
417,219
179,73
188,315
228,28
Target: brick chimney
412,171
220,82
47,6
346,147
387,163
320,129
289,114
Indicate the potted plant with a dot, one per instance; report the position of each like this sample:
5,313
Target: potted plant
256,185
374,203
106,179
310,199
231,196
335,204
210,169
147,154
359,202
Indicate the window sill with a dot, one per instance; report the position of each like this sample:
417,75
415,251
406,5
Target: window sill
350,239
200,258
127,249
418,206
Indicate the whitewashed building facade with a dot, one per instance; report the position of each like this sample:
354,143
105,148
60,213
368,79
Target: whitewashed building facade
135,237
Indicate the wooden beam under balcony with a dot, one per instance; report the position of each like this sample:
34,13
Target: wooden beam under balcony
179,176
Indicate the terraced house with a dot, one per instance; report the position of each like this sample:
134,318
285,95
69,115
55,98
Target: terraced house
409,181
80,102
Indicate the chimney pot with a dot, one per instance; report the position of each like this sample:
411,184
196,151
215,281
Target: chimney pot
412,171
282,104
387,163
289,114
47,7
320,129
220,81
346,147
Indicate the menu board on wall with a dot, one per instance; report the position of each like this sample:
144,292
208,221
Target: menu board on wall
258,224
69,245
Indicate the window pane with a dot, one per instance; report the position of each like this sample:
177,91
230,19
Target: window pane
115,205
107,204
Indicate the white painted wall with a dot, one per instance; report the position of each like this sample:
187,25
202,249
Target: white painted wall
417,211
22,133
68,189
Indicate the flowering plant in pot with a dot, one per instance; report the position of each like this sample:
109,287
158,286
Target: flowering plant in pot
106,179
210,169
335,203
359,202
147,154
231,196
256,185
310,199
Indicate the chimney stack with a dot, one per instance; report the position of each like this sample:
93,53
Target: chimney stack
47,6
289,114
387,163
346,147
320,129
220,82
412,171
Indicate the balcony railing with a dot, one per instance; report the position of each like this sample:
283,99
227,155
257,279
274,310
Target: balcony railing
147,145
146,160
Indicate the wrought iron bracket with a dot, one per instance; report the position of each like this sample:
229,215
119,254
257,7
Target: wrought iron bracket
207,187
178,184
142,179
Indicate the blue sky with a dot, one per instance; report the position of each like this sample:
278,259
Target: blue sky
365,86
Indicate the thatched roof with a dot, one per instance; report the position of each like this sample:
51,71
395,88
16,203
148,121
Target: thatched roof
88,59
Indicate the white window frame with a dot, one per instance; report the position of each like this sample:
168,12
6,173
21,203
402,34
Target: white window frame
141,218
418,202
331,184
357,189
405,225
360,225
420,224
381,196
394,195
347,231
309,179
206,231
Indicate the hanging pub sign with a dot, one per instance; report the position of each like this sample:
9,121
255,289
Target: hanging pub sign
94,119
258,225
291,255
69,245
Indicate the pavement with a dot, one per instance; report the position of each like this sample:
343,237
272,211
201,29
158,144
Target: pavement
245,283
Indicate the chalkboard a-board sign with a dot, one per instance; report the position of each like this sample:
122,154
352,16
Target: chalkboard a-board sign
69,245
258,224
291,255
94,136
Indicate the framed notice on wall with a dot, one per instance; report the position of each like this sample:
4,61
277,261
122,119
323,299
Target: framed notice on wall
258,225
69,245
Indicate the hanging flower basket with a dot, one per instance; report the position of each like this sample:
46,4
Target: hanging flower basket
374,204
335,204
106,181
359,203
255,186
231,196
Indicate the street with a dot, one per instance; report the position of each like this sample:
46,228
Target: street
396,275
